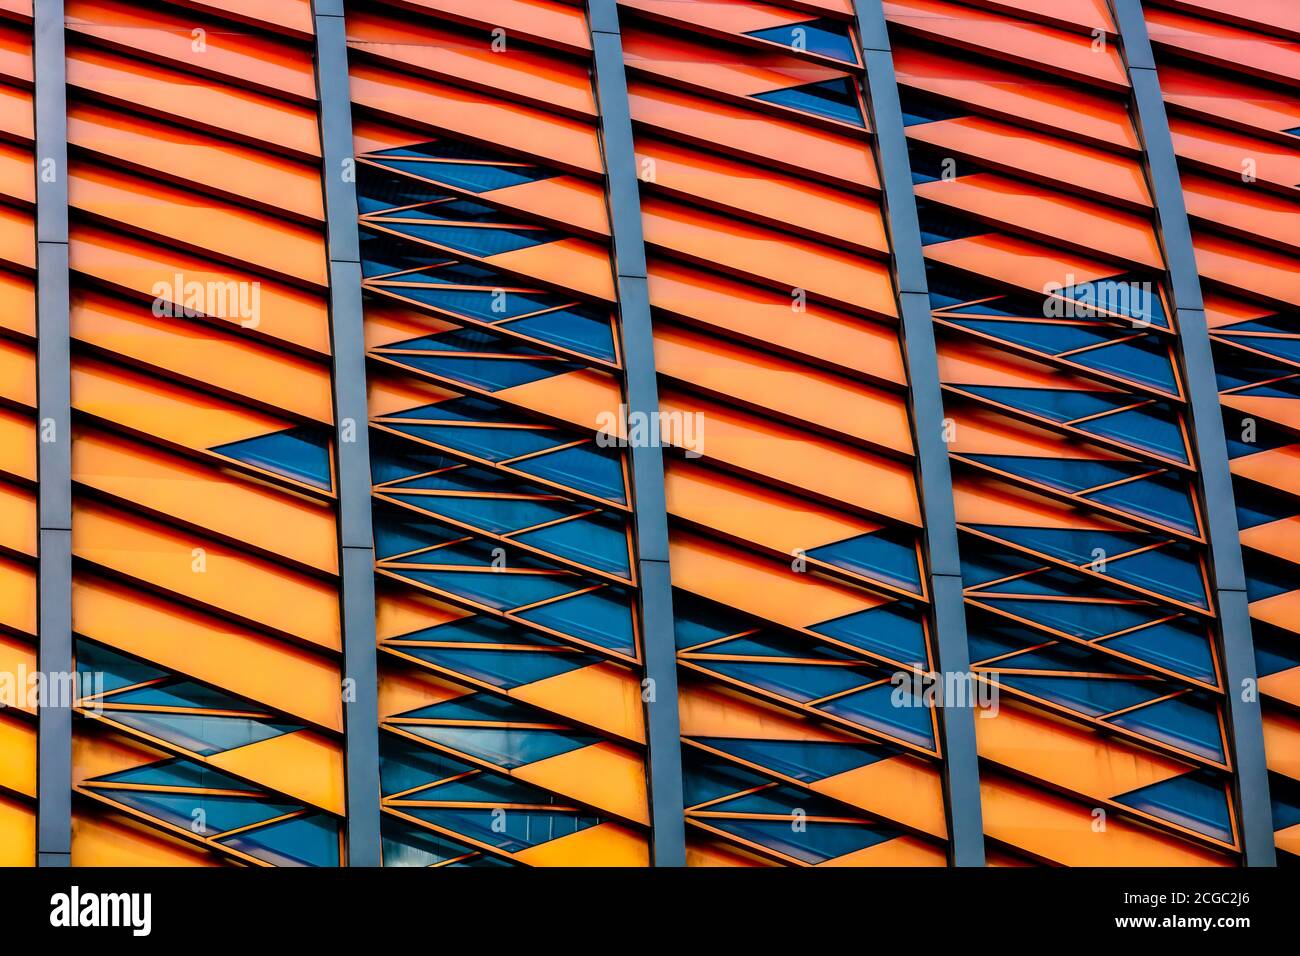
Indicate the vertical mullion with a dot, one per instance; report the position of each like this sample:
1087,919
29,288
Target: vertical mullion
351,417
54,442
1245,721
659,649
960,769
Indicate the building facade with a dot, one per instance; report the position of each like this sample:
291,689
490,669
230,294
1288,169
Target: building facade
649,433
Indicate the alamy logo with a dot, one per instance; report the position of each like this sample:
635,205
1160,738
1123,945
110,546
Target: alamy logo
191,299
74,908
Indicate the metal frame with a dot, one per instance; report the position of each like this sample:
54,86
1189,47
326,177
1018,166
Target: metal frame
663,727
960,769
54,439
1245,722
352,440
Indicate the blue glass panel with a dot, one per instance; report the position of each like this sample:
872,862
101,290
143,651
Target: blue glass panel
1181,646
311,840
508,748
1264,506
939,224
1285,797
474,240
804,760
398,534
299,453
485,305
1164,498
833,99
1142,360
891,630
1266,579
505,669
1085,620
816,843
588,468
1150,428
1186,722
1197,801
602,617
378,190
1172,570
1048,337
488,788
706,778
885,555
823,36
405,845
502,590
100,670
598,541
877,707
203,734
1092,696
404,766
697,621
488,373
582,330
382,253
918,109
780,800
801,682
512,831
205,814
475,178
177,772
497,515
1275,650
492,444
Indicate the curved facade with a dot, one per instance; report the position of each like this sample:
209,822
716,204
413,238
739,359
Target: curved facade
653,433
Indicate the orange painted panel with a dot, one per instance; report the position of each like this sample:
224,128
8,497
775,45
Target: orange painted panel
255,175
774,197
801,460
1003,93
748,511
766,589
243,114
766,317
251,589
17,444
201,222
1055,829
780,259
237,509
550,21
204,355
516,71
248,59
1041,156
792,390
148,270
791,144
552,139
305,765
1060,218
183,640
717,68
1020,42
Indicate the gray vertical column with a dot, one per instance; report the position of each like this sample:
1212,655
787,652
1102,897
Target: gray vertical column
54,443
1245,723
663,726
351,416
957,718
